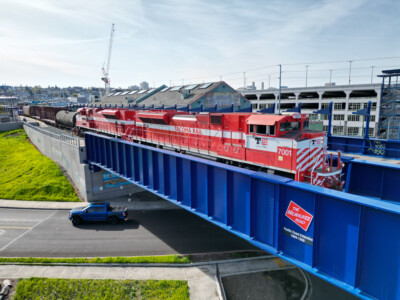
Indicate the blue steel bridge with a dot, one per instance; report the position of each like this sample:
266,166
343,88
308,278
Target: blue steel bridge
351,239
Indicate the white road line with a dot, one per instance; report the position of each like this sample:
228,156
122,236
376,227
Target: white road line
14,240
14,227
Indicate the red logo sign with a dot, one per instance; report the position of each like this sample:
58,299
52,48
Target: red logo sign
299,215
264,142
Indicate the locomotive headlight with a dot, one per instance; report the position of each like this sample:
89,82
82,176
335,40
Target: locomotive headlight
342,165
328,169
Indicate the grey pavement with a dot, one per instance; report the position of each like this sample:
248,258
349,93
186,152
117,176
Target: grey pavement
133,205
202,280
49,233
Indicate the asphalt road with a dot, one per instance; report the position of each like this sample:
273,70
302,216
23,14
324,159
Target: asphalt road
49,233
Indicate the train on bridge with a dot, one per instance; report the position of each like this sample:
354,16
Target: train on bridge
278,144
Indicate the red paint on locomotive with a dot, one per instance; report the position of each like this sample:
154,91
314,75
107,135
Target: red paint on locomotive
279,142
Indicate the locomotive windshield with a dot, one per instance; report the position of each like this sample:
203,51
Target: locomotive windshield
289,126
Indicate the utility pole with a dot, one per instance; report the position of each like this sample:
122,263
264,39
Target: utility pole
330,76
244,80
279,95
269,81
350,61
306,74
220,77
372,73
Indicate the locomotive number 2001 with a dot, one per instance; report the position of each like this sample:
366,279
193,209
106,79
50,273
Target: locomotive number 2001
284,151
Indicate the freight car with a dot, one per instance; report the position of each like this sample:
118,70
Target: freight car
46,114
277,143
66,119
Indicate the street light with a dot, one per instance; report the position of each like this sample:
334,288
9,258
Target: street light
350,61
306,74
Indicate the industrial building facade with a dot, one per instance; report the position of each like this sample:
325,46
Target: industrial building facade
195,96
346,100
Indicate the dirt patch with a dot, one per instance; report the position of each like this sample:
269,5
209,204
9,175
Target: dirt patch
11,293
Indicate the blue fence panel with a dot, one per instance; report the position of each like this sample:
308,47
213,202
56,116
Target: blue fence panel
346,239
373,179
375,147
378,259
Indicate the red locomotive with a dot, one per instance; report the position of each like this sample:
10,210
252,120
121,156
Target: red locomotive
281,143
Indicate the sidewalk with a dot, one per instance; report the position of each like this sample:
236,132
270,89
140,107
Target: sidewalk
135,204
202,280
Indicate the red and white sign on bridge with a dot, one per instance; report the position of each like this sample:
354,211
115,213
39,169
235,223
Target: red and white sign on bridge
298,215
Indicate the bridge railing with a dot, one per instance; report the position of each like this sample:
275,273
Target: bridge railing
375,147
77,142
348,240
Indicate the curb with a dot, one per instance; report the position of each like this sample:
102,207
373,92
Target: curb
151,265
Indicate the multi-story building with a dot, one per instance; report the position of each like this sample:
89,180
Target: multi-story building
346,100
144,85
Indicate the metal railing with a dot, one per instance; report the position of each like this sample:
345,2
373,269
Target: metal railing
74,141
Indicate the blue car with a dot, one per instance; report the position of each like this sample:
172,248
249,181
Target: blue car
95,212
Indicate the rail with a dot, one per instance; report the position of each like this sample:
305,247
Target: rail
74,141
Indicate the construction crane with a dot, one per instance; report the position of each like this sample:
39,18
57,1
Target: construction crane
105,77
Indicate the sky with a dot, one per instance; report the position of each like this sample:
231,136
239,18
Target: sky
174,42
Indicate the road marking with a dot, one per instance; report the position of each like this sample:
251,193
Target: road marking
279,262
14,227
14,240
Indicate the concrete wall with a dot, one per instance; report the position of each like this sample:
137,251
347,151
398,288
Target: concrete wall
10,126
71,158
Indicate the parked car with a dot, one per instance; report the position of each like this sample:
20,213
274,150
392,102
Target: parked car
95,212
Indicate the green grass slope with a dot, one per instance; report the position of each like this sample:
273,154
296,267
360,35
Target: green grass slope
92,289
26,174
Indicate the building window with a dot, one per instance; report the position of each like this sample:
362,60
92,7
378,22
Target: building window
373,106
353,118
338,117
324,105
325,128
338,130
339,106
372,118
352,130
370,131
263,106
354,106
313,116
254,105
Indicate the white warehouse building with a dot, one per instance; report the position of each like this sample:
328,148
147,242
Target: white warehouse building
346,100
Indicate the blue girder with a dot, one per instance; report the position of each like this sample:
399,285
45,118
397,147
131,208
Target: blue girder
352,241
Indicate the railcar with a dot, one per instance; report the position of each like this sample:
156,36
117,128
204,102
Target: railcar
66,119
46,114
277,143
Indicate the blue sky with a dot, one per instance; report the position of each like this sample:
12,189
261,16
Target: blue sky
65,43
